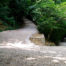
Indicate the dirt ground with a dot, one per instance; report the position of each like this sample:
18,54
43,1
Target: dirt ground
17,50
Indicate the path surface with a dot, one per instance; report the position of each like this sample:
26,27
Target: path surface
17,50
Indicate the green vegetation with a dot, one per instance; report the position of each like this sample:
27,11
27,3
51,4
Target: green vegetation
49,15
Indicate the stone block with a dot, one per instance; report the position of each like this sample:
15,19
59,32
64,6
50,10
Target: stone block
38,39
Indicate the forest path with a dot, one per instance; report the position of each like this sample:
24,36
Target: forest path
17,50
19,37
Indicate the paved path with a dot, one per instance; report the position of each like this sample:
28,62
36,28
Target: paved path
17,50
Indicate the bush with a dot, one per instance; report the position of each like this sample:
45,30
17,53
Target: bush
50,19
5,17
12,11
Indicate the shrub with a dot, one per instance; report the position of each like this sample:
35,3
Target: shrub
50,19
5,17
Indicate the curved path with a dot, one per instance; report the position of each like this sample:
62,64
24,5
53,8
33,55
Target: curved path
17,50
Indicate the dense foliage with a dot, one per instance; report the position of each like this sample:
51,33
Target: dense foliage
51,19
5,16
49,15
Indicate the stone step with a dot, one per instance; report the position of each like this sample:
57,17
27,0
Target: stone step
38,39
